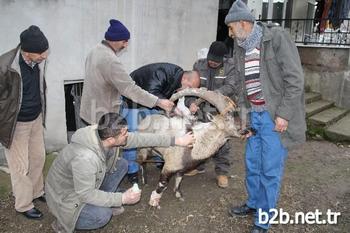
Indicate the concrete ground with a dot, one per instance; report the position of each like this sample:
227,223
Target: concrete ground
317,176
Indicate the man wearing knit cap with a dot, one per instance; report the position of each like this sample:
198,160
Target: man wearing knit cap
22,95
217,74
106,79
270,75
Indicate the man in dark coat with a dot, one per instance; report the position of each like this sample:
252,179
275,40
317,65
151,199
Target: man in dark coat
22,116
216,74
271,81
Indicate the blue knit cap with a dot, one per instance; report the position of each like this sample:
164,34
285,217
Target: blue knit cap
117,31
239,11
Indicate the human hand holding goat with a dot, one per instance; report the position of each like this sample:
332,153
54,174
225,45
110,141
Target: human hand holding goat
209,137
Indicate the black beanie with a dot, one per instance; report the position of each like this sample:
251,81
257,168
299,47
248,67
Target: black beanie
216,52
33,40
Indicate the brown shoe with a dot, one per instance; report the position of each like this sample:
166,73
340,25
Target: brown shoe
194,172
222,181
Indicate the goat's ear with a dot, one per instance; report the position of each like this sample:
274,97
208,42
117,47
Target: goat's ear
210,116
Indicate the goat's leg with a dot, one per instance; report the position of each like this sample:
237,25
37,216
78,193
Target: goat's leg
179,176
177,190
162,185
143,154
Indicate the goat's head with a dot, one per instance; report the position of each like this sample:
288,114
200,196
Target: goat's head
223,121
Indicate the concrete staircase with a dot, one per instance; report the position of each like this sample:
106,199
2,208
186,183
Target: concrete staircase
325,119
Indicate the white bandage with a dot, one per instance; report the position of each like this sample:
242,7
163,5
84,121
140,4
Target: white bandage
154,199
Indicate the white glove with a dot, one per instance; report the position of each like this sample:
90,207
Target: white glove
154,199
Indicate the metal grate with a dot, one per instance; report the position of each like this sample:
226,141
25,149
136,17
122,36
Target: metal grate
315,31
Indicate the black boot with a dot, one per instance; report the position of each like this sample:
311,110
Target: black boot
33,213
242,211
133,178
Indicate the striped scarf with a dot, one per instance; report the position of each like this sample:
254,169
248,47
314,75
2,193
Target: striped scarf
252,66
252,77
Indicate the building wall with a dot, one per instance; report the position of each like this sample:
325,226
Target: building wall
300,9
256,7
327,72
161,30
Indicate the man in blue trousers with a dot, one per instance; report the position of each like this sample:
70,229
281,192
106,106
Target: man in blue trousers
161,80
271,81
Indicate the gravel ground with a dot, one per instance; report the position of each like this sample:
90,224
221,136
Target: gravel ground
317,176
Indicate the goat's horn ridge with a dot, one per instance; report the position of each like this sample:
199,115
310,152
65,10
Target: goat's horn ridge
223,103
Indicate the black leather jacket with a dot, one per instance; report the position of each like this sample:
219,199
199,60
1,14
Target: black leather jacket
159,79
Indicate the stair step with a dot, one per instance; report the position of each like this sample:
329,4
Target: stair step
316,107
340,131
312,97
327,117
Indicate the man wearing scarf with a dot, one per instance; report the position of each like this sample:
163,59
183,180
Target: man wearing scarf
271,81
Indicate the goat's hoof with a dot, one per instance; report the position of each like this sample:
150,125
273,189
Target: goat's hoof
154,199
154,207
153,203
178,195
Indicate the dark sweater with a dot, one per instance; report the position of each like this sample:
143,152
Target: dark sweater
31,100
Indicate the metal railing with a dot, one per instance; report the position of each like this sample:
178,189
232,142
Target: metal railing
314,31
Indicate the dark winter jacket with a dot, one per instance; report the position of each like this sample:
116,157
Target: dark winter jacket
11,93
219,79
159,79
282,82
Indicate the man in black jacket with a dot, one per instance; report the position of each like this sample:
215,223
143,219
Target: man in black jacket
161,80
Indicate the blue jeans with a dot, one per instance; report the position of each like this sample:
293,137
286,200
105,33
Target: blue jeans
94,217
133,116
265,157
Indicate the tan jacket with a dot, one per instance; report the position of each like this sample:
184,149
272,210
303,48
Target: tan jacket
106,80
77,173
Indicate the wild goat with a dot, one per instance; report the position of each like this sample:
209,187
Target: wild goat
209,138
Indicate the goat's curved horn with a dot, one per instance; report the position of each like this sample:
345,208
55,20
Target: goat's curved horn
223,103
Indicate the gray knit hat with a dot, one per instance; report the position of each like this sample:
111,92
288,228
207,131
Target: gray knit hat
239,11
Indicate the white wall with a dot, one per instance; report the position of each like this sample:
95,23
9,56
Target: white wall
161,30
